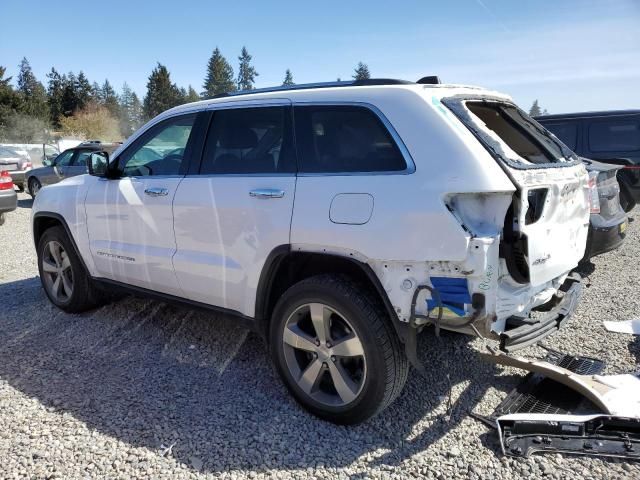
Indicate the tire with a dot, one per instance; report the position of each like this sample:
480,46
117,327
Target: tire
20,187
1,219
33,187
75,291
373,379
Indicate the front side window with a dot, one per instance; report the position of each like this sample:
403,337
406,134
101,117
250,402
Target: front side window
615,136
160,150
81,158
249,141
64,159
343,139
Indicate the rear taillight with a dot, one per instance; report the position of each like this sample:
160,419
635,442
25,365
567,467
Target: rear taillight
594,199
27,166
5,181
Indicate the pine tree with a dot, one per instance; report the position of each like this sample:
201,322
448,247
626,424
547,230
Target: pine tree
361,72
84,91
109,99
161,93
535,110
69,94
55,89
288,79
131,116
33,93
9,101
219,77
192,95
96,93
246,73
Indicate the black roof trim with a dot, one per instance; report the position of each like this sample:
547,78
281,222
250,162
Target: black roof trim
307,86
603,113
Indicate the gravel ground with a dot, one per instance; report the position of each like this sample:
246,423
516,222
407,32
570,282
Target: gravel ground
141,389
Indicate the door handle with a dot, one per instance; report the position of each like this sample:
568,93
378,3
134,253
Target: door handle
266,193
156,192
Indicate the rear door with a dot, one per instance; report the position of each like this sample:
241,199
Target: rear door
236,208
130,219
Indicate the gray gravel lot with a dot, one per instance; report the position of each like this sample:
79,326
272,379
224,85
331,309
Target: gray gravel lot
141,389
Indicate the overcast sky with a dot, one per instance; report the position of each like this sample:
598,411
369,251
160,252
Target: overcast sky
572,55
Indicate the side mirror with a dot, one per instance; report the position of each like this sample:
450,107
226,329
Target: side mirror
46,162
98,163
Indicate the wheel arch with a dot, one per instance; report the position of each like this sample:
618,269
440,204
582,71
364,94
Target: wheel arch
285,267
42,221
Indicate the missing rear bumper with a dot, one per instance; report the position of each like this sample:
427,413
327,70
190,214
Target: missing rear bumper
521,333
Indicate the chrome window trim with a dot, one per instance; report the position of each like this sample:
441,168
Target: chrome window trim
404,151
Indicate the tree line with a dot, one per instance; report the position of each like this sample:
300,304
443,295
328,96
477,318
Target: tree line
70,104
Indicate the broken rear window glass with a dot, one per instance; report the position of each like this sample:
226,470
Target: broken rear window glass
521,134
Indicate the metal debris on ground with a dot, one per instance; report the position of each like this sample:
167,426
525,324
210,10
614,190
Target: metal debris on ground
632,327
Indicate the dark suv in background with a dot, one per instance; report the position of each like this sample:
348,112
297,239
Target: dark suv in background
609,137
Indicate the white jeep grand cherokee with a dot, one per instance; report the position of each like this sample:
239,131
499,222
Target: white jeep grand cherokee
338,220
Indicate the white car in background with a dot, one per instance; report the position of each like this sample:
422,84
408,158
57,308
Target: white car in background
338,220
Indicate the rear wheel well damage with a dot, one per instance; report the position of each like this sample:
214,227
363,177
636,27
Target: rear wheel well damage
284,268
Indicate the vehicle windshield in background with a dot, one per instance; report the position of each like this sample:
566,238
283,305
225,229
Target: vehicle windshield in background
520,133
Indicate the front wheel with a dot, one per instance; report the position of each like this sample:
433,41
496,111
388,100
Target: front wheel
34,187
62,273
335,350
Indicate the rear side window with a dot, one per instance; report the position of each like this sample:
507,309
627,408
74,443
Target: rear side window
615,136
521,134
566,132
343,139
248,141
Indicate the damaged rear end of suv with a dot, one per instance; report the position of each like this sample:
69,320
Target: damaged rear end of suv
522,290
516,283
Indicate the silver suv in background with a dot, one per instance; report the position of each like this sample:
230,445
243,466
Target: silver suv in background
69,163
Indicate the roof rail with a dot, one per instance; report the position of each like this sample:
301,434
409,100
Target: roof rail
306,86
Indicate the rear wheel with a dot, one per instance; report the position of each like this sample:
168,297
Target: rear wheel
62,274
335,350
34,187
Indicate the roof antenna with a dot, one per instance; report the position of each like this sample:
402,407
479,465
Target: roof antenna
430,80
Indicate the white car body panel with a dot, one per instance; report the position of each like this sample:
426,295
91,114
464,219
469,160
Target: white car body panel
413,232
224,236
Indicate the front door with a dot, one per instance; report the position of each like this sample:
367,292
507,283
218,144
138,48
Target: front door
232,213
130,219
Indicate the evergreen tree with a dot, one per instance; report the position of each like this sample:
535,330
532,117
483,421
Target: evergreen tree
219,77
69,94
191,96
535,110
288,79
9,101
55,90
96,93
84,91
246,73
109,99
32,92
361,72
161,93
136,112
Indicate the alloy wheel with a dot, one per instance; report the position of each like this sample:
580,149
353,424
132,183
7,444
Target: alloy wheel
324,354
57,273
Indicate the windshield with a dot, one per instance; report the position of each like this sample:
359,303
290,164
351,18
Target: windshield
526,138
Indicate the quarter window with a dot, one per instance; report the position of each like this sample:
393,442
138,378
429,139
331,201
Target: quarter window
615,136
343,139
249,141
160,151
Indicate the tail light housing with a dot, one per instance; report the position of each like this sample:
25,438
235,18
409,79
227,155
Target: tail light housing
5,181
27,166
594,199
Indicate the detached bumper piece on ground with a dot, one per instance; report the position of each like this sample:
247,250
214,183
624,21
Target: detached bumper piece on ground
564,405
